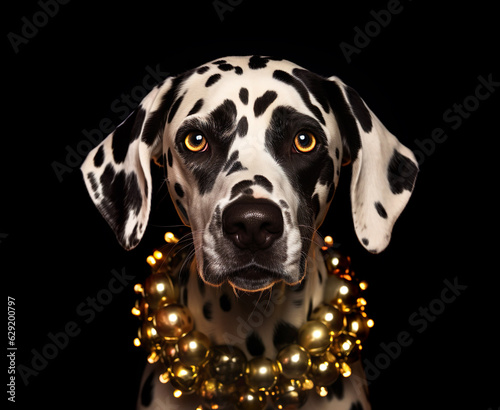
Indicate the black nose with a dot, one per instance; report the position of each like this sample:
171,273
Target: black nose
252,224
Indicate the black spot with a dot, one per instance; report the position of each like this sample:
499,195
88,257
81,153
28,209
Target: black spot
298,302
320,277
99,157
381,210
254,344
147,390
359,109
93,183
225,67
240,187
242,127
178,189
356,406
213,79
225,303
126,133
238,70
175,107
185,296
244,95
264,101
219,62
365,241
182,210
326,175
401,173
331,192
284,334
203,69
337,153
302,90
263,182
170,160
197,107
234,156
309,309
336,390
207,310
121,196
237,166
257,62
284,204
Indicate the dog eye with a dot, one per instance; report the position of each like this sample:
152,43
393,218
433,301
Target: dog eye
196,142
304,141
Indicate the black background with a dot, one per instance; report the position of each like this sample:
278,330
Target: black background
56,250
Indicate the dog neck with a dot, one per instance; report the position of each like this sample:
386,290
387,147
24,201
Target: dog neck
259,323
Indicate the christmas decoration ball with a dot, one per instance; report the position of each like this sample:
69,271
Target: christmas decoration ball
173,321
216,395
330,316
357,325
324,370
315,337
289,394
346,296
251,399
261,373
343,345
194,348
183,377
228,363
159,289
294,361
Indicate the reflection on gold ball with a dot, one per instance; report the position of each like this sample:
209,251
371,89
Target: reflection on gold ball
251,399
324,370
294,361
173,321
183,377
261,373
194,348
330,316
227,364
315,337
289,394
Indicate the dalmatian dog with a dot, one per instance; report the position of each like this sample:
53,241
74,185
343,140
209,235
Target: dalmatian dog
252,149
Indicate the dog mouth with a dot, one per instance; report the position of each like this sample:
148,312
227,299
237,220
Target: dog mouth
253,278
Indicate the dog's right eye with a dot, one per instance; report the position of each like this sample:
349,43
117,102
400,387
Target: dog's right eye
196,142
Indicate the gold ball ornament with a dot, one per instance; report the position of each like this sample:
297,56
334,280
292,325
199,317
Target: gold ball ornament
324,369
357,325
330,316
261,373
251,399
337,263
315,337
183,377
343,345
159,289
173,321
217,395
346,296
289,394
194,348
294,361
228,363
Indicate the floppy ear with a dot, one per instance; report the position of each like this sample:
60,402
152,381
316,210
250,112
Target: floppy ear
383,170
117,172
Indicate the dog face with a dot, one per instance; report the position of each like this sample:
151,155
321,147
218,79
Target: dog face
253,149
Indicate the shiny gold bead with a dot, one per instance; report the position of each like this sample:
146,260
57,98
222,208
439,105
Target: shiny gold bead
324,370
159,289
182,377
346,296
289,394
261,373
251,399
337,263
357,325
315,337
216,395
227,364
173,321
148,335
343,345
294,361
330,316
194,348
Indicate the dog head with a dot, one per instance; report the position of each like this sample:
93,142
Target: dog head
252,148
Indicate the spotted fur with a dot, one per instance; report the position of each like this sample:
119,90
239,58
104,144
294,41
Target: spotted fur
253,201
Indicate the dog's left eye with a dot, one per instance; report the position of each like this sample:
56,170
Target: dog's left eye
195,142
304,141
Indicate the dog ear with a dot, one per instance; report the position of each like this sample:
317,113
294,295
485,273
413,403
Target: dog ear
383,170
117,171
